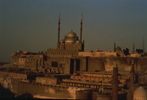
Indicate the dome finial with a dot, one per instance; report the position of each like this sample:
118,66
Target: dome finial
115,65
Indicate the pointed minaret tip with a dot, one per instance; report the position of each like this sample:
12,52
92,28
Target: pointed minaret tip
81,29
81,16
59,17
115,65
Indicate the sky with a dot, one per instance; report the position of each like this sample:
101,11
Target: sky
32,25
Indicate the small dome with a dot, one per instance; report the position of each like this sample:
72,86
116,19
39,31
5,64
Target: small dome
71,34
69,40
78,41
140,94
118,48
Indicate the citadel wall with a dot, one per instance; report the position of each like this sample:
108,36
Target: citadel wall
62,61
124,63
62,53
97,54
58,64
95,64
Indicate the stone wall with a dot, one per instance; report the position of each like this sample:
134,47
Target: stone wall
45,80
97,54
48,91
62,53
125,63
13,75
95,64
63,64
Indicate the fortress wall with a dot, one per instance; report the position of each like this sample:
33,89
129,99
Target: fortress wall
61,53
64,62
82,64
13,75
97,54
14,85
44,80
125,63
141,65
55,92
66,66
95,63
14,60
122,63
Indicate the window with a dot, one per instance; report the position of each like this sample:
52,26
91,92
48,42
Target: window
143,79
54,64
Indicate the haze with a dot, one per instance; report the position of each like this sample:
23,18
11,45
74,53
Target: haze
32,25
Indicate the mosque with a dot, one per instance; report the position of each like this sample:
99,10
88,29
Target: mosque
71,41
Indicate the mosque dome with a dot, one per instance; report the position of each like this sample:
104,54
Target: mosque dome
71,34
69,40
118,48
140,94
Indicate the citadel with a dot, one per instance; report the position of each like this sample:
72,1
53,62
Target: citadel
68,72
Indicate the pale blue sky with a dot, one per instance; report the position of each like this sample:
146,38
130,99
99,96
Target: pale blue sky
31,25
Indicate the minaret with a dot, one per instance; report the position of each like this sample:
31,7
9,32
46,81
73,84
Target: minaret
114,47
59,29
58,43
81,29
115,82
132,74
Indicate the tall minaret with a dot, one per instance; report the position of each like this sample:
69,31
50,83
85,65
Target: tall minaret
114,47
59,29
115,82
132,74
81,29
58,43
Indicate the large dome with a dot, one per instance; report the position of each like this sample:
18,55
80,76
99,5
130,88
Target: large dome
69,40
140,94
71,34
